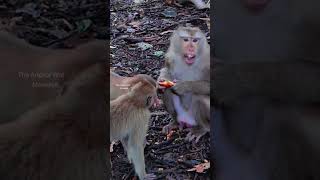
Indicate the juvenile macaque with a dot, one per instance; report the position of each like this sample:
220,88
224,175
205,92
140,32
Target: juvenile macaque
188,64
55,131
198,3
129,119
266,126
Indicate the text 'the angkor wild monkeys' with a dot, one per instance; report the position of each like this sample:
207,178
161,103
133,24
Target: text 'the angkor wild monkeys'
119,84
129,122
188,63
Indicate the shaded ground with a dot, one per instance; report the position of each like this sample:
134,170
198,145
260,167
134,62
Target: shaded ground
132,24
55,23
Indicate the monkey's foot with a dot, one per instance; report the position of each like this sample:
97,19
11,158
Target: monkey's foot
150,176
195,134
171,126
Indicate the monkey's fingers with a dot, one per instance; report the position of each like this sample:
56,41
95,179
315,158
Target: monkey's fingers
161,80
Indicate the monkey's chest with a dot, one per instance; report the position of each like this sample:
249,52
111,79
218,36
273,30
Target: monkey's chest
186,75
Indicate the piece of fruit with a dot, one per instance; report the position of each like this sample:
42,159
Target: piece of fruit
166,83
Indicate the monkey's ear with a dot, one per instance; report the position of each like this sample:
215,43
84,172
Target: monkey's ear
136,87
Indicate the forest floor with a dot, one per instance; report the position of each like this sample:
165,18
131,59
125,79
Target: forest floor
65,24
139,38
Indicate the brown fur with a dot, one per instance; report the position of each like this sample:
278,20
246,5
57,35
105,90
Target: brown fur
130,117
193,80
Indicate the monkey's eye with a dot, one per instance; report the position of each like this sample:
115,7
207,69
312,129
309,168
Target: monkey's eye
195,40
185,39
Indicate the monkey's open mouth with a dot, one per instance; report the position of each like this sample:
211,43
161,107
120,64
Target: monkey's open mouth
190,58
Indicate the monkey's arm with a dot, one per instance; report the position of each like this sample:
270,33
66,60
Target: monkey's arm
165,74
293,82
196,87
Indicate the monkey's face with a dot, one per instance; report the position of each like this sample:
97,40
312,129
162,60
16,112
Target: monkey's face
190,40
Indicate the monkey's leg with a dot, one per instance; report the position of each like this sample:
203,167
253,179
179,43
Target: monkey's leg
136,154
168,103
124,143
201,111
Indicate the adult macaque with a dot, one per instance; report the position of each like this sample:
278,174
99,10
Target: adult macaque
55,128
129,119
266,81
188,63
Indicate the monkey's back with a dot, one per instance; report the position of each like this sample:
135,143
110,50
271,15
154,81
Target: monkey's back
126,117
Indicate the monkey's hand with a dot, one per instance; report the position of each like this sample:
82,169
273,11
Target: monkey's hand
182,88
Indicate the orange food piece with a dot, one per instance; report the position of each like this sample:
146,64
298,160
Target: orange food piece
166,84
169,135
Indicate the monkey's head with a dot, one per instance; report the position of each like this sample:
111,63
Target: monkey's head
188,42
144,93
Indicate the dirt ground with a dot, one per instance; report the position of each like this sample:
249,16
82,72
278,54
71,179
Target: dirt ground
65,24
152,22
55,23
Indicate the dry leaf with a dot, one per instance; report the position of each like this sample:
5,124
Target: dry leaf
200,167
166,32
135,24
